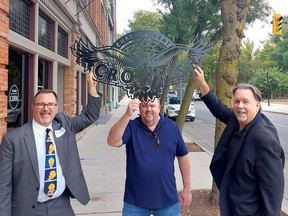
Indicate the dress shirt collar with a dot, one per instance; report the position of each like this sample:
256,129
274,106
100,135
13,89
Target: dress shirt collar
39,129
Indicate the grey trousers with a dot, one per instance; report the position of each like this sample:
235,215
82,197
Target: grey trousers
60,206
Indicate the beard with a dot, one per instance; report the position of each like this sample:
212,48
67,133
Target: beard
242,117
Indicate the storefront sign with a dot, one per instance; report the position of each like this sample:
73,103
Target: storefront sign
13,97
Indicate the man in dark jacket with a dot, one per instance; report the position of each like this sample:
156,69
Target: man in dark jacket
247,165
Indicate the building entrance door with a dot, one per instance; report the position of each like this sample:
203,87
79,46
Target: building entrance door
16,103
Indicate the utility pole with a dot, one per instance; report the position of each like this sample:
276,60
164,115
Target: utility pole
268,88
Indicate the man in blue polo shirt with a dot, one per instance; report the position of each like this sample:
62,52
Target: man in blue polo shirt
152,143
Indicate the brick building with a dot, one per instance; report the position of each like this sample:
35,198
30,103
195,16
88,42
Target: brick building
35,41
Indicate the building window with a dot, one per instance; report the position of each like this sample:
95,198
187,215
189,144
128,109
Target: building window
111,9
62,43
45,31
43,74
20,17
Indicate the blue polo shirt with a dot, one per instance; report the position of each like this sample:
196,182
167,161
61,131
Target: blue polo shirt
150,181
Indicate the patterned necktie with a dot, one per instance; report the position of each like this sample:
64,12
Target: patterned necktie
50,177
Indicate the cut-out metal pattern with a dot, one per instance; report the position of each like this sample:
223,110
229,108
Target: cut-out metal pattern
141,62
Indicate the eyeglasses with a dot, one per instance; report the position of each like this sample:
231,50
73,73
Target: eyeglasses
42,105
156,139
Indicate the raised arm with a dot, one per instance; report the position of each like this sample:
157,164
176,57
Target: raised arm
92,111
116,132
92,85
200,80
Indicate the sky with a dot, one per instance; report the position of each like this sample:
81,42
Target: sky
257,32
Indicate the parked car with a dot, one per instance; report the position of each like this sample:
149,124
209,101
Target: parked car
172,93
196,96
172,108
14,115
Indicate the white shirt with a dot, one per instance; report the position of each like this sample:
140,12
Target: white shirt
40,134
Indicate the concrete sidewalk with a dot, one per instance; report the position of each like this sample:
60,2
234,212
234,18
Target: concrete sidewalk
275,107
104,167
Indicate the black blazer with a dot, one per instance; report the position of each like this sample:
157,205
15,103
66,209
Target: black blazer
250,178
19,173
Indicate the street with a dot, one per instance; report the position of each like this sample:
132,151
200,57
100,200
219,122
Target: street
202,131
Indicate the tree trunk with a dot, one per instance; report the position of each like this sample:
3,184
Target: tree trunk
185,104
233,13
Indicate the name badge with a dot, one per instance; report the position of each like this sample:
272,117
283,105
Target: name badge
59,133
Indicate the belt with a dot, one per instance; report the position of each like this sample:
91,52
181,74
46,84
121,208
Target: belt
65,193
48,201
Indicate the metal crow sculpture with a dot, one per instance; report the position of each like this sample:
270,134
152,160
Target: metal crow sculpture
141,62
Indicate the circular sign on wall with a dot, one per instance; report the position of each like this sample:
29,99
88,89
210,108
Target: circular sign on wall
13,97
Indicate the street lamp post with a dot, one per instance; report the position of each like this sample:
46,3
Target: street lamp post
268,88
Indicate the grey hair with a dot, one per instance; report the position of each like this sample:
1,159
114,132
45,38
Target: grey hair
255,91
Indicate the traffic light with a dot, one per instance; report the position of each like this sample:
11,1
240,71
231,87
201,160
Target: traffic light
277,24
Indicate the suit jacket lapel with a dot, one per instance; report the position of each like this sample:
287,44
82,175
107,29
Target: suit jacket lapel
31,147
58,141
233,154
218,163
223,143
237,147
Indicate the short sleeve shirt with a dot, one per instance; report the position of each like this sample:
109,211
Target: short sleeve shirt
150,180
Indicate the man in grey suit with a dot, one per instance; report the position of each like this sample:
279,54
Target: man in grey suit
22,159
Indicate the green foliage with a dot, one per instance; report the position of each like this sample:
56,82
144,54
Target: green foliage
272,60
262,58
271,79
279,55
259,10
145,20
246,64
209,65
184,19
